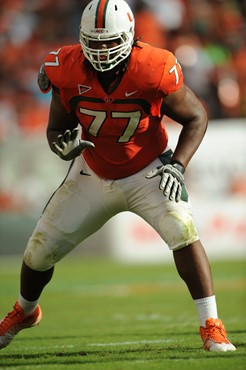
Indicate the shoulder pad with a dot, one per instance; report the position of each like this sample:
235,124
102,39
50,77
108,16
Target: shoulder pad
43,81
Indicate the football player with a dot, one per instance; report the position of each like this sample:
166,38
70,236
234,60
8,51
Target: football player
116,90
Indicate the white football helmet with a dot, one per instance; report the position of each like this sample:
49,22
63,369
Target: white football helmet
107,20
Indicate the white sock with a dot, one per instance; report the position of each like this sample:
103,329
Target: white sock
27,306
206,308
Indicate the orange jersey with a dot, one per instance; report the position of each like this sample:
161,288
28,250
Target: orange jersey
125,126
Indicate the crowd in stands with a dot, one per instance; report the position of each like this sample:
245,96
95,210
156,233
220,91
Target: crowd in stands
207,36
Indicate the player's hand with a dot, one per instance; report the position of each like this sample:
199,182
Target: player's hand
172,180
69,145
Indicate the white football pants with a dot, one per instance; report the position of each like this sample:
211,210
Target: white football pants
84,202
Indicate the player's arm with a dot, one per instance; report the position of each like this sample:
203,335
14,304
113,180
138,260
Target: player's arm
59,120
62,131
180,104
183,107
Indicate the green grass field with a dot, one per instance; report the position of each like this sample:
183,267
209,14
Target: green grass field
100,314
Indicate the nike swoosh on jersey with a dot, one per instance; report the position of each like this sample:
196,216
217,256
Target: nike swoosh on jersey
83,173
127,94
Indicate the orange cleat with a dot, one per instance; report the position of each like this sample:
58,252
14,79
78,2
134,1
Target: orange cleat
15,321
214,337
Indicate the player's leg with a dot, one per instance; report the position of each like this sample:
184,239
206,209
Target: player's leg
192,261
194,268
174,222
75,211
78,208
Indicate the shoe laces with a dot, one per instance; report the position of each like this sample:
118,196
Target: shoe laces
215,330
11,319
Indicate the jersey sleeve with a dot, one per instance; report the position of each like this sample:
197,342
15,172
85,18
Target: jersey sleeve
57,69
172,77
53,66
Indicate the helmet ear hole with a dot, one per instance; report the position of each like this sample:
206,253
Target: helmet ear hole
107,21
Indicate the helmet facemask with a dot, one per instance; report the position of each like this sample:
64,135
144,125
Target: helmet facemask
106,59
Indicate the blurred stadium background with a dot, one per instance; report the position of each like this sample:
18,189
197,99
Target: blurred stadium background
209,39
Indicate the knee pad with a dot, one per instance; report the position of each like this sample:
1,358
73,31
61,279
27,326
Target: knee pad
178,230
42,251
36,255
